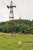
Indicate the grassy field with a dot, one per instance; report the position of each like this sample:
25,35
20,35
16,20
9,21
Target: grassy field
9,42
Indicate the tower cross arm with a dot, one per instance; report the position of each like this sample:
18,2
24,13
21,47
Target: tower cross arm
8,6
12,6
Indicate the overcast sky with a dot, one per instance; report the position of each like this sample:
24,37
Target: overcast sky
24,9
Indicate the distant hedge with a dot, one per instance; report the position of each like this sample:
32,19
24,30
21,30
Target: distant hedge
23,26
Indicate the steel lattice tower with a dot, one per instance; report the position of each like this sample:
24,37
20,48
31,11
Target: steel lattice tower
11,16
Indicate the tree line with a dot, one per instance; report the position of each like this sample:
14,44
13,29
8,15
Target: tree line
22,26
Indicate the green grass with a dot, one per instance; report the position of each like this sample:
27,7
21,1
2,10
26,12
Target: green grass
8,42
